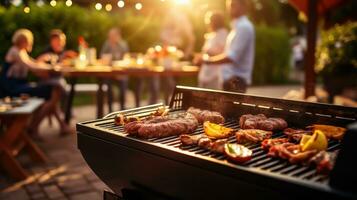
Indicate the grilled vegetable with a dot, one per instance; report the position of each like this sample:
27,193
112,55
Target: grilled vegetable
317,141
333,132
161,111
216,131
237,153
121,119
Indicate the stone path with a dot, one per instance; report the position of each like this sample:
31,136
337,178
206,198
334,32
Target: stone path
66,175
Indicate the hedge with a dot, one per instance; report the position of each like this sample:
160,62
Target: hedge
141,32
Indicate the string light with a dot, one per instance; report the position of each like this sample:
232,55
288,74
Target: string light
69,3
40,3
16,2
27,9
138,6
53,3
98,6
108,7
121,4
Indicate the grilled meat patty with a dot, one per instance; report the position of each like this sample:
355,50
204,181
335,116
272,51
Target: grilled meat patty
260,121
162,126
206,115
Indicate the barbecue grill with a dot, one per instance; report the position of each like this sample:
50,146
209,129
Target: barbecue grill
160,168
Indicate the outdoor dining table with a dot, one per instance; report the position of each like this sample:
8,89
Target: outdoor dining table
14,138
101,72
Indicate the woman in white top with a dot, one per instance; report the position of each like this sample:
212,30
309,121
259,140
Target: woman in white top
210,75
13,80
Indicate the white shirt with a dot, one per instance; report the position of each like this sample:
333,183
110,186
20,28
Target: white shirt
210,76
240,48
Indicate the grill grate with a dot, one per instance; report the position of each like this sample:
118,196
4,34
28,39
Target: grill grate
259,161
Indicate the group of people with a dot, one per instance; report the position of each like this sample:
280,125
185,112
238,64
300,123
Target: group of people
226,61
14,76
227,57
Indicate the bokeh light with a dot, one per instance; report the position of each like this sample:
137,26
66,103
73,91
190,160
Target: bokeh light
108,7
69,3
98,6
121,4
27,9
138,6
53,3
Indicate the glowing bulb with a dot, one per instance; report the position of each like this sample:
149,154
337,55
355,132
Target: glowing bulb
121,4
158,48
27,9
140,61
53,3
108,7
138,6
68,3
98,6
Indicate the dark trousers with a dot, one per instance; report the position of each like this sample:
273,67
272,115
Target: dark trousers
122,85
153,85
235,84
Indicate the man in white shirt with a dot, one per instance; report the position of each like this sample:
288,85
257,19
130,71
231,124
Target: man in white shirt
239,50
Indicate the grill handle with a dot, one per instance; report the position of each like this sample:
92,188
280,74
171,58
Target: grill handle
133,110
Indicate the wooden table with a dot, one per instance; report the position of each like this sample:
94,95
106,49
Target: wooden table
108,72
14,138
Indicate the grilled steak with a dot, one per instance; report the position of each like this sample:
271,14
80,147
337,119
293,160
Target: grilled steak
203,141
295,135
260,121
162,126
206,115
291,152
252,135
267,143
324,161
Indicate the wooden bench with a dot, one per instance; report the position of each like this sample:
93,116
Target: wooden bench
14,138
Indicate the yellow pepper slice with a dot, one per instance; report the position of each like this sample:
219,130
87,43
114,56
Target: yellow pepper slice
216,131
317,141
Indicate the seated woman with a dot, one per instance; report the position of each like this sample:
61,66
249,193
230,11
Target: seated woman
13,80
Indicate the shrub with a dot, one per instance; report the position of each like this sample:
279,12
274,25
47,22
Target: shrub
272,55
337,49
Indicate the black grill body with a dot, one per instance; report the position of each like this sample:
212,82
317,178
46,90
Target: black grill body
163,169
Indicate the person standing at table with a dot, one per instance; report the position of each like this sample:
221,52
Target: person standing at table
210,76
14,82
114,48
239,50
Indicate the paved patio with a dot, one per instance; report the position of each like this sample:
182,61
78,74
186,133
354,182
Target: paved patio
66,175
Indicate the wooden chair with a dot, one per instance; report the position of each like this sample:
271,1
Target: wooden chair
14,138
